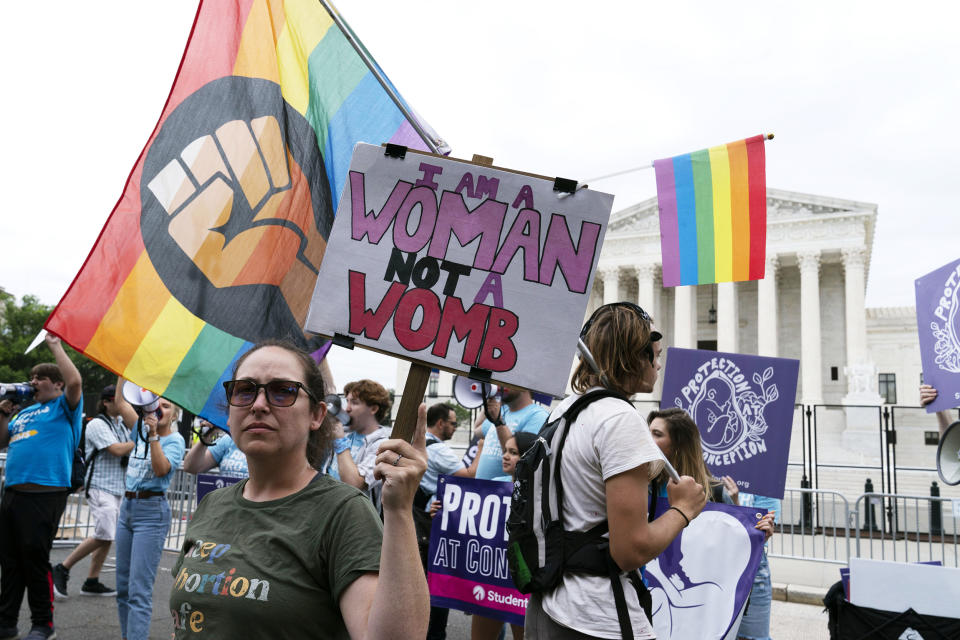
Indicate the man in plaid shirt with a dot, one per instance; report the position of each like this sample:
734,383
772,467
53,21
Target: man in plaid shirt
107,446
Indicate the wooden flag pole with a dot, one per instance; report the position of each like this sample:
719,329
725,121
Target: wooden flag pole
417,378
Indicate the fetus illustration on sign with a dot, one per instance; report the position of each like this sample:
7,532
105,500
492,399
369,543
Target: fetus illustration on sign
729,410
947,336
693,591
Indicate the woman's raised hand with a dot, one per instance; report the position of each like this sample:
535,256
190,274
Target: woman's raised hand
400,465
765,524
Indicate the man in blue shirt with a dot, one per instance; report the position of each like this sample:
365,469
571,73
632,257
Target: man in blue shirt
41,440
519,414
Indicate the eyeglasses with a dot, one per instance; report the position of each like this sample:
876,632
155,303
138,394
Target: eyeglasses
279,393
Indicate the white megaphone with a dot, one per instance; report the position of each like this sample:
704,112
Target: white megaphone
471,393
948,455
142,399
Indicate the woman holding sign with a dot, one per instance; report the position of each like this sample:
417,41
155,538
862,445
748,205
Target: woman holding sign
678,437
290,552
608,461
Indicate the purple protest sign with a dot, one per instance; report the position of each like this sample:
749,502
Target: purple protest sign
467,565
938,323
743,406
700,583
207,482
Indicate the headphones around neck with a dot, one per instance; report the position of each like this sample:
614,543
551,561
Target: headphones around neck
637,309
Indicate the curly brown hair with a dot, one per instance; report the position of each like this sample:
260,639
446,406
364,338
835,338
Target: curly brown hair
370,393
320,441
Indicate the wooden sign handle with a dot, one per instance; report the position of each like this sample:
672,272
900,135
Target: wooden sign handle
406,422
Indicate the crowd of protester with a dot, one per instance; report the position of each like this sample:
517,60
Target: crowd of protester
334,516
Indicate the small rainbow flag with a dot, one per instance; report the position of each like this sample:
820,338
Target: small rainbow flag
217,238
713,214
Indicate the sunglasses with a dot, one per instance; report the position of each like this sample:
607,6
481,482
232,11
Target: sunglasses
279,393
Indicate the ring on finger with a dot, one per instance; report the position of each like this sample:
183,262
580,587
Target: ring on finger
397,461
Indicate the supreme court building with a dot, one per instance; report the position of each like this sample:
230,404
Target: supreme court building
809,306
854,361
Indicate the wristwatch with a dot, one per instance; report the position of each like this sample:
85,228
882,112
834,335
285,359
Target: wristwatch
153,439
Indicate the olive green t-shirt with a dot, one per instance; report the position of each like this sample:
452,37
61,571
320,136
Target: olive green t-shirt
273,569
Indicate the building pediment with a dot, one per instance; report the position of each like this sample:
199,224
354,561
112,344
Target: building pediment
782,207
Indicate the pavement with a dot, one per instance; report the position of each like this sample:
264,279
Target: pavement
95,618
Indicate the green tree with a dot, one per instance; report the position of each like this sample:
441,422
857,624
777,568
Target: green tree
19,325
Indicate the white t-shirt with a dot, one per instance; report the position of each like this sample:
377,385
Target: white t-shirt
608,437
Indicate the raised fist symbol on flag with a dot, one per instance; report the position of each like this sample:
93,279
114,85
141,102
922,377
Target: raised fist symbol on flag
225,195
223,187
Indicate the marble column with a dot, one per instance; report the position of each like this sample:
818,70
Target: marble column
810,343
728,318
767,318
859,371
611,284
684,314
647,288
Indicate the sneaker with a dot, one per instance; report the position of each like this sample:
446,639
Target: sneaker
41,633
96,588
9,633
61,575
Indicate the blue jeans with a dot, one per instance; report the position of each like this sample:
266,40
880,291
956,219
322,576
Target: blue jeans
755,624
141,530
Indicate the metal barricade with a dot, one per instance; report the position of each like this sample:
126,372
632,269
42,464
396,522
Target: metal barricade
815,525
895,527
795,536
76,523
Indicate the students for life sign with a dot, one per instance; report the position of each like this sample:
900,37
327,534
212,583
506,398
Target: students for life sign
460,266
467,565
743,407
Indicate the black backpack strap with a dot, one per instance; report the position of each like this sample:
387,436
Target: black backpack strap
569,416
643,594
578,552
623,614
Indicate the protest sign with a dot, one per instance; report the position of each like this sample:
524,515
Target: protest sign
938,323
461,266
700,583
467,565
207,482
743,407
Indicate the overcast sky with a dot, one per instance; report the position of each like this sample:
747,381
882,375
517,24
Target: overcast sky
862,98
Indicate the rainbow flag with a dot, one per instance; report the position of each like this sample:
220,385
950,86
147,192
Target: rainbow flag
216,241
713,214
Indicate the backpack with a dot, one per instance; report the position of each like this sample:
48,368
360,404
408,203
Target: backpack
78,469
539,550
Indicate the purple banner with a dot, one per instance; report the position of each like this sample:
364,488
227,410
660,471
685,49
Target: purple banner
938,323
207,482
467,565
700,583
743,406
